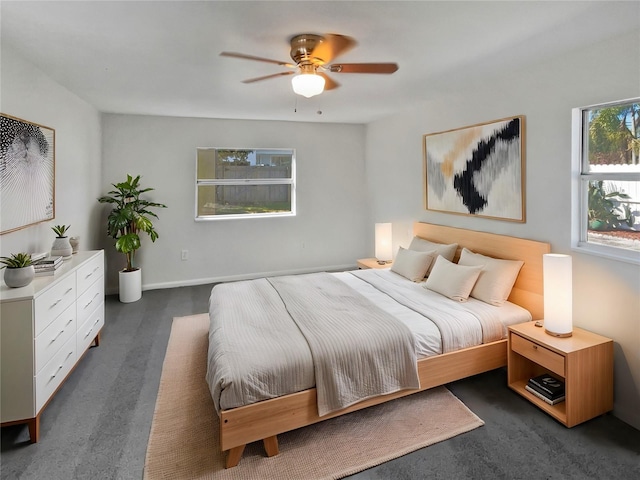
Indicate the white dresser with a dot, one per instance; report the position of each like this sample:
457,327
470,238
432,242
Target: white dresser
45,329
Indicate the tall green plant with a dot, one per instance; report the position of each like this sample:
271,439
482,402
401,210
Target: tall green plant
129,217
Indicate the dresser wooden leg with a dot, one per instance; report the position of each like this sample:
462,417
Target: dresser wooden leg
34,429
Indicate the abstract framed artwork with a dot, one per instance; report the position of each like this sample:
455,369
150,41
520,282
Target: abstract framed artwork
477,170
27,173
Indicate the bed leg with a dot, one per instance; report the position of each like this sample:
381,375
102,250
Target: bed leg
233,457
271,446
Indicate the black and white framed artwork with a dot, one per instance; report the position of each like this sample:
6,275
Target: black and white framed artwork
477,170
27,173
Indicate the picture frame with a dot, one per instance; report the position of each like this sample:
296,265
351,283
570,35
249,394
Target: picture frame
477,170
27,173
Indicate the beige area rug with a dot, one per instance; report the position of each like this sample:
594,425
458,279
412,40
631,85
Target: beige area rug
184,435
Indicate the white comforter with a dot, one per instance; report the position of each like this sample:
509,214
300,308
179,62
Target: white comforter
256,351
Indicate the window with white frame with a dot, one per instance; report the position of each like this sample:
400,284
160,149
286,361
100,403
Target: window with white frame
607,188
244,183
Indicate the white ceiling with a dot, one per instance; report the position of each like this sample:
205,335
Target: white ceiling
162,57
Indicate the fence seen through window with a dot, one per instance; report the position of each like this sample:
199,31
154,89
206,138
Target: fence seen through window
244,182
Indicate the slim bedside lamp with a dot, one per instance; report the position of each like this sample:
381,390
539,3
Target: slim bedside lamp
384,251
558,298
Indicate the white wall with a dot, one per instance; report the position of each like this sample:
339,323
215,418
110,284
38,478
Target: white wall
329,230
606,293
27,93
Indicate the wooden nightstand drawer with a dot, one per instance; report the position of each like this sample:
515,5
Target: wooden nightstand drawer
538,354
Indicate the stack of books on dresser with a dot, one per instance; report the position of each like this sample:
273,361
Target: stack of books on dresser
47,266
546,388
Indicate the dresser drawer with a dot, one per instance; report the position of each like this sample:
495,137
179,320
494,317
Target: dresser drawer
538,354
88,331
89,300
54,336
88,273
54,372
53,302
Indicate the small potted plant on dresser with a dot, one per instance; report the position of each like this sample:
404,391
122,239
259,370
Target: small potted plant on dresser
61,245
130,216
19,270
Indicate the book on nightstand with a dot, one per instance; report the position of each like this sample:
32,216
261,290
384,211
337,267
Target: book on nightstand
548,385
542,396
546,388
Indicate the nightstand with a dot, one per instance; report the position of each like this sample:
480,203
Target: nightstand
365,263
584,361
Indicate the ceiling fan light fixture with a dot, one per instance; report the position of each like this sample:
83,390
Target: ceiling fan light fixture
308,84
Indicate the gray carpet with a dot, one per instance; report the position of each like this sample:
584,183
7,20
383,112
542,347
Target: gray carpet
98,424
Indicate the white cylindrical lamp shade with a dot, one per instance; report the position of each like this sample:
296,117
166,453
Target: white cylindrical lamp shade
308,84
384,251
558,297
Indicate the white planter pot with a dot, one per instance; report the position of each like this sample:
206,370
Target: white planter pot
19,277
61,247
130,286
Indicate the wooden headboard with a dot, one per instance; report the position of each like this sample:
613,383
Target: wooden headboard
528,290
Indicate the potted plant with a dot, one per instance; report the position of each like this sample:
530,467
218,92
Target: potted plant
130,216
61,245
19,270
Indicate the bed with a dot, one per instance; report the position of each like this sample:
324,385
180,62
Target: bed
260,410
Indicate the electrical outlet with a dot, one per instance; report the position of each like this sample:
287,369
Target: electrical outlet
185,255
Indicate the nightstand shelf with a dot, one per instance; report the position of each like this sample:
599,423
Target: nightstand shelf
365,263
583,361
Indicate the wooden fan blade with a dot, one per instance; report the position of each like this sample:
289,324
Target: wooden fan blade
363,68
331,47
266,77
329,83
258,59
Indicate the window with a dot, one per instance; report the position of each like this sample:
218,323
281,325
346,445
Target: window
607,158
244,183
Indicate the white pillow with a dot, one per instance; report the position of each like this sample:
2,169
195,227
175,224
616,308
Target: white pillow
496,278
452,280
411,264
422,245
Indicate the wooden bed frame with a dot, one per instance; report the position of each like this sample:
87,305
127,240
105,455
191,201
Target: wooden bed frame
266,419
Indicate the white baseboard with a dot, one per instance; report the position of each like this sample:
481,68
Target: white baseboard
233,278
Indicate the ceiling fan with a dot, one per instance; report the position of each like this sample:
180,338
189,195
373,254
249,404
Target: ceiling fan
312,55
